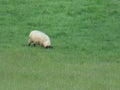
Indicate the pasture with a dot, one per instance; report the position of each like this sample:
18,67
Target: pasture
85,35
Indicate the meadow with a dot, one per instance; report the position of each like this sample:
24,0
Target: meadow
85,35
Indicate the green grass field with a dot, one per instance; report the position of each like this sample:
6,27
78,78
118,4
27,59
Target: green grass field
85,35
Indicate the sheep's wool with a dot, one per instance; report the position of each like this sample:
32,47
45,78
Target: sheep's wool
38,37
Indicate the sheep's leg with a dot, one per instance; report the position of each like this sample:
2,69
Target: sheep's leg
34,44
29,42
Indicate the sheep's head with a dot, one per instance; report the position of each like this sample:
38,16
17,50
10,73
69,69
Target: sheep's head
49,47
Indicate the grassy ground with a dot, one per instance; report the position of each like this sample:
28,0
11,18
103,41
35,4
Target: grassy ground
86,40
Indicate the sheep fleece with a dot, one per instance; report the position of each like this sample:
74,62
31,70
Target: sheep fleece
38,37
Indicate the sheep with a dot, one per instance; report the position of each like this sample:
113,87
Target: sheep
39,38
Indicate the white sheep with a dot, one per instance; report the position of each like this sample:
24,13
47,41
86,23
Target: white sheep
39,38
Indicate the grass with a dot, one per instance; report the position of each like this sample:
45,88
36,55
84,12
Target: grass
85,36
